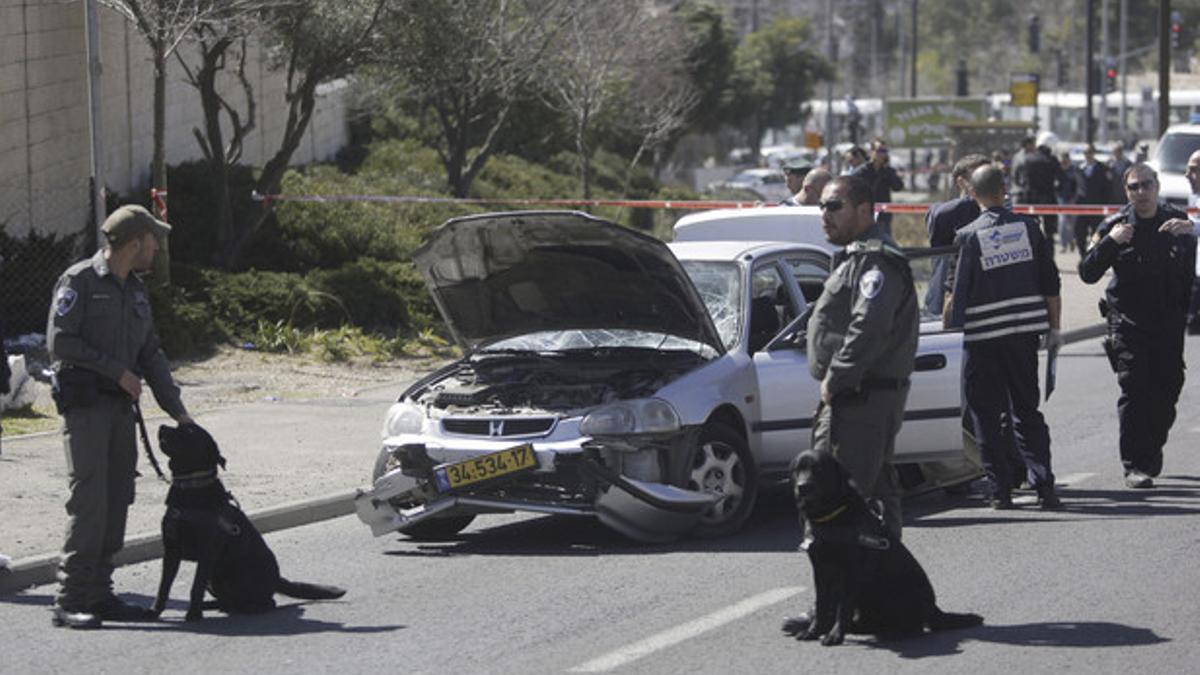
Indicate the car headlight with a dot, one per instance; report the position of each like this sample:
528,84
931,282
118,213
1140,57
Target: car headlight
402,418
639,416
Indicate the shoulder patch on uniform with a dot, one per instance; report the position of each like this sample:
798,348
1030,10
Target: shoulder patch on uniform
871,283
65,300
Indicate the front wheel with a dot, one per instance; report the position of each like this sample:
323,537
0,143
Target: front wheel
723,466
431,529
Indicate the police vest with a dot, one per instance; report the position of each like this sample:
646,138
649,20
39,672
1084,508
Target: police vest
1004,296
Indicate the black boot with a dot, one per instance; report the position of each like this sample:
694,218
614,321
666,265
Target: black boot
1047,500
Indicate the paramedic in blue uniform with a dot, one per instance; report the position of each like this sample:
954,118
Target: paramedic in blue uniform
1151,249
1006,295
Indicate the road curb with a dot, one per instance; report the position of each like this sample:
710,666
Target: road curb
41,569
1085,333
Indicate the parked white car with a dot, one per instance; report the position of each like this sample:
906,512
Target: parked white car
770,185
610,375
1170,158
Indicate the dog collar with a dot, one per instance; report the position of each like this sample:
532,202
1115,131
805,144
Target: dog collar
831,515
195,480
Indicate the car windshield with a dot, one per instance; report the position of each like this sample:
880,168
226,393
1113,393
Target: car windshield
720,287
593,338
1174,150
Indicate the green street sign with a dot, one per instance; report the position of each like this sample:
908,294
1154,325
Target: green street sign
921,122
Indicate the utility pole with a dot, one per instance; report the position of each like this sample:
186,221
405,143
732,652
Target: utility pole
830,52
1089,75
912,152
1104,60
1164,65
1121,65
91,22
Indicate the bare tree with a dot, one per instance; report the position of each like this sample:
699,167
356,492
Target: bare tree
595,58
660,96
466,61
312,42
165,24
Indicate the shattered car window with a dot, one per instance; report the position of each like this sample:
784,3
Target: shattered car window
720,286
565,340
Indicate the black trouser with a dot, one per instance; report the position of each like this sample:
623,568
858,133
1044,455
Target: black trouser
1085,226
1050,229
1150,372
1000,376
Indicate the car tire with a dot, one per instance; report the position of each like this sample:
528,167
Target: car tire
722,464
432,529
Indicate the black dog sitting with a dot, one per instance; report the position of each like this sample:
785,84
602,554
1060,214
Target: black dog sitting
866,580
204,524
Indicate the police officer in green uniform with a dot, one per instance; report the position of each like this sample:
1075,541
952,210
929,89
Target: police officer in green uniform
102,341
862,341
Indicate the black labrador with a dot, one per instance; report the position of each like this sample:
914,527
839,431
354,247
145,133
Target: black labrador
204,524
866,580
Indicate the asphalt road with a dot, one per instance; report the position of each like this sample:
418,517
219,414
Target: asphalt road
1108,585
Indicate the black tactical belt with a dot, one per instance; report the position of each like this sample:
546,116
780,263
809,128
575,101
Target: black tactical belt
883,383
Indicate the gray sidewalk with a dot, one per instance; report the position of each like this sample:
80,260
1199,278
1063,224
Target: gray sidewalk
290,462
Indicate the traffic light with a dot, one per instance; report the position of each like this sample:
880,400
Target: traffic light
1035,34
960,79
1176,29
1110,78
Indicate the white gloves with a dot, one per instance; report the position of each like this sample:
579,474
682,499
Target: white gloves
1052,339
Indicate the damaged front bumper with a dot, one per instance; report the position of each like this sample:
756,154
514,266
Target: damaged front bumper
571,480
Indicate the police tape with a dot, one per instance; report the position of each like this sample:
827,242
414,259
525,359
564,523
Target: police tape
681,204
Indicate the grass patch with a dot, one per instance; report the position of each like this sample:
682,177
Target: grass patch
28,420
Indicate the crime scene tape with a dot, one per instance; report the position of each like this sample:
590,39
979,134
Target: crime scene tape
683,204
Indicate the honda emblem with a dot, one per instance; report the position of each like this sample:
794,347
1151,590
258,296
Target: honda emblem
496,428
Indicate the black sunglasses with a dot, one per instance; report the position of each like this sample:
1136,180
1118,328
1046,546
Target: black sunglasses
1140,185
831,205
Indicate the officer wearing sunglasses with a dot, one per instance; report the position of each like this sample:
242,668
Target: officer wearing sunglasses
862,339
1151,249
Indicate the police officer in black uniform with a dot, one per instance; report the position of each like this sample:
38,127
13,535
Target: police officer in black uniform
101,337
862,340
1006,294
1151,248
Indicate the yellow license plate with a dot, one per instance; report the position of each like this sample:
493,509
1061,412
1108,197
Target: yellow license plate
485,467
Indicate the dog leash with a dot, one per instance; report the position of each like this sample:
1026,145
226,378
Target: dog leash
141,423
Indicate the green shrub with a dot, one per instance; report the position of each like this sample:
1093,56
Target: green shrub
242,300
31,266
279,336
378,295
185,324
192,212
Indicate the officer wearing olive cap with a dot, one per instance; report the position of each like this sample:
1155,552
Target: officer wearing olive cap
862,341
102,341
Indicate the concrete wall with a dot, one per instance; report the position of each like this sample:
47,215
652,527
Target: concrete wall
44,144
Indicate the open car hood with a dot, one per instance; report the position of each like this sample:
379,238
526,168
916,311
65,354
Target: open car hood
500,275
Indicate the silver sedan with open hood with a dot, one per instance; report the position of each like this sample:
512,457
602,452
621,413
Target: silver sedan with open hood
606,376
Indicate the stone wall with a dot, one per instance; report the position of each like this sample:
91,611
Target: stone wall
44,144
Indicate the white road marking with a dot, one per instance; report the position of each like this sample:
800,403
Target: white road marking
673,636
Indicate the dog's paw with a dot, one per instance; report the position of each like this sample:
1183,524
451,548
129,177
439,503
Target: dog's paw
810,633
833,637
194,615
